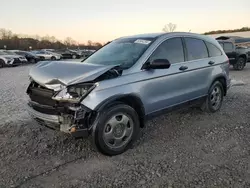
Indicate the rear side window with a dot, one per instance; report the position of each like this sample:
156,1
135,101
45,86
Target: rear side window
196,49
213,50
171,49
20,53
228,47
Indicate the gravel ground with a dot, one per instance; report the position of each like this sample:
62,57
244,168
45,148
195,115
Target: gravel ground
187,148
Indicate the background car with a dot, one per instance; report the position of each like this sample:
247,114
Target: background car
238,56
31,57
86,53
8,60
69,54
48,55
21,58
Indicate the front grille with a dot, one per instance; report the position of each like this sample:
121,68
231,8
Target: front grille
41,58
50,111
40,94
16,61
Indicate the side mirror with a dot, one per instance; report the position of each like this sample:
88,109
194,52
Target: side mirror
157,64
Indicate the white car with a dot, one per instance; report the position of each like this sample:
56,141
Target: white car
20,57
6,59
48,55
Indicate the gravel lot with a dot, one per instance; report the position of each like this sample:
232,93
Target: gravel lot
187,148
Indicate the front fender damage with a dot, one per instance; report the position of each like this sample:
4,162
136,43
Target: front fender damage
74,118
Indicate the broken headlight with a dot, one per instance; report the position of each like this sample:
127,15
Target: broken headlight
74,93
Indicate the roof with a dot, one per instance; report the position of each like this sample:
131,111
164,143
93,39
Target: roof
145,35
225,41
227,37
157,35
171,34
242,40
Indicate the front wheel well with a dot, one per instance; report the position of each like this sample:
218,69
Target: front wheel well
133,102
243,56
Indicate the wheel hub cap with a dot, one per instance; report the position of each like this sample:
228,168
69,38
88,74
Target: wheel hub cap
118,131
215,97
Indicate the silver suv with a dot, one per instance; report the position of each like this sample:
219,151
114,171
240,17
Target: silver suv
111,93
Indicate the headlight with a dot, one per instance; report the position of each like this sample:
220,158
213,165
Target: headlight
8,58
74,93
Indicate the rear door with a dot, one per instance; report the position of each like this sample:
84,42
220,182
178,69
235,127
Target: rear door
199,67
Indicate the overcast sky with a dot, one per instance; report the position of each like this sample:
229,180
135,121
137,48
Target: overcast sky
103,20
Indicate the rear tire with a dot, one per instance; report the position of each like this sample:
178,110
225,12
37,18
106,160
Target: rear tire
73,56
240,64
33,61
2,63
214,99
115,129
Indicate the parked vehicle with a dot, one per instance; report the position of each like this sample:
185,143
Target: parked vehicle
8,60
21,58
131,79
86,53
48,55
247,49
237,55
69,54
31,57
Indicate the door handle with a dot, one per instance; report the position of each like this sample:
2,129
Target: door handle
182,68
211,62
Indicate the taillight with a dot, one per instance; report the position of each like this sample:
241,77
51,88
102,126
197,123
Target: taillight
228,61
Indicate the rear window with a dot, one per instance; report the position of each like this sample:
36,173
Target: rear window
228,47
196,49
213,50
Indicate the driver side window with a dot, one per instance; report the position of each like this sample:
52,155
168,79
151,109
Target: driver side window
171,49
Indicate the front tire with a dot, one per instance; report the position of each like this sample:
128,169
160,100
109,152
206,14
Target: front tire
53,58
116,129
240,64
214,99
2,63
33,61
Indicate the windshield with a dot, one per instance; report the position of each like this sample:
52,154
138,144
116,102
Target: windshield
10,53
124,52
3,53
30,53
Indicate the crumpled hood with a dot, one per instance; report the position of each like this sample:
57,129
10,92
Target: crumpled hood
54,74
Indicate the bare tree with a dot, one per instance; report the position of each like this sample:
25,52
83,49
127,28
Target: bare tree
68,41
5,34
170,27
90,43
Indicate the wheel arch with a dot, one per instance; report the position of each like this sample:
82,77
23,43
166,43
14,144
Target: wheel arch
222,80
129,99
243,56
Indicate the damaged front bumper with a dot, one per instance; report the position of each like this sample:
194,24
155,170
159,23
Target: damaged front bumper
71,120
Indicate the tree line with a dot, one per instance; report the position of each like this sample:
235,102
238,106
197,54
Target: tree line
12,41
228,31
